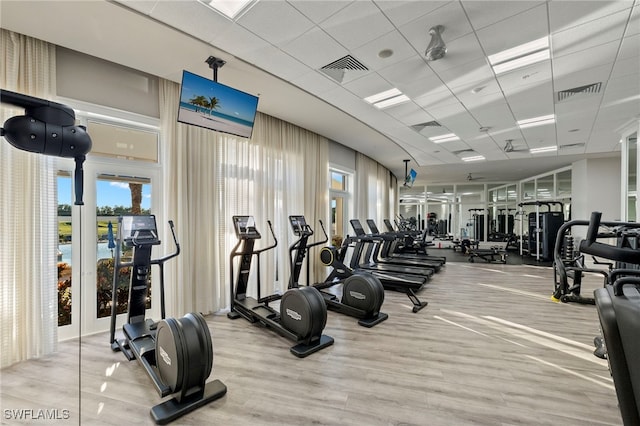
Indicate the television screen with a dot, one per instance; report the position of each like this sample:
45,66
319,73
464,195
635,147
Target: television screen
207,103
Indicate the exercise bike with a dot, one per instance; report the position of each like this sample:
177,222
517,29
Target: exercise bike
177,354
302,315
362,295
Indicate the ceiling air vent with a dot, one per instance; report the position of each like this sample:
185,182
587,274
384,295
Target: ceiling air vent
588,89
420,127
337,68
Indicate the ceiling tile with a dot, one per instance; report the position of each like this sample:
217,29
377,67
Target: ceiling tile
569,14
584,59
477,71
144,6
278,62
497,116
514,31
241,42
357,24
401,12
485,13
626,67
315,83
513,81
315,48
367,85
192,17
450,16
630,47
275,21
532,101
583,77
368,54
413,77
318,10
541,136
589,35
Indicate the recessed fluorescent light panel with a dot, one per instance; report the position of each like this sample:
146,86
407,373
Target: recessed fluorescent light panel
543,149
232,9
387,98
536,121
473,158
520,56
449,137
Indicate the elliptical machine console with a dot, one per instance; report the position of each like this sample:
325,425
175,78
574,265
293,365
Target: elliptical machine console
177,354
362,295
302,315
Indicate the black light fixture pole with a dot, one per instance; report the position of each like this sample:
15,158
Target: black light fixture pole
214,64
406,170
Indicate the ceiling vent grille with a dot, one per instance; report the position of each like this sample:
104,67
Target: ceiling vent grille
337,69
420,127
588,89
345,63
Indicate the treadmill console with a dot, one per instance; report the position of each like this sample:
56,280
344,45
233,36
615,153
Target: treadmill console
139,230
372,226
357,227
245,227
298,224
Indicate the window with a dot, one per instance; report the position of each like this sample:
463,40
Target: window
340,193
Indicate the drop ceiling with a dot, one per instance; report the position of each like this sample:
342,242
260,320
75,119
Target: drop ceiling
281,50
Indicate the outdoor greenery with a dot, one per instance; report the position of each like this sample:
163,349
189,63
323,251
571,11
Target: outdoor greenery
105,267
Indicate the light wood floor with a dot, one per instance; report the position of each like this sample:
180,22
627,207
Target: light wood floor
490,349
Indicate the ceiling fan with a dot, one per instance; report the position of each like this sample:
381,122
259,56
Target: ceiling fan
470,177
508,147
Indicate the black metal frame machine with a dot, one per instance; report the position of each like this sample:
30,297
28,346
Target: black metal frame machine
335,258
362,294
303,313
177,354
618,307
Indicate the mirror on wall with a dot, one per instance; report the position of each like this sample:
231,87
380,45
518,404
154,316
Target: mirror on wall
632,180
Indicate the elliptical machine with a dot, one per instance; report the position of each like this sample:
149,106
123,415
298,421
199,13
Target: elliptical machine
303,313
177,354
362,295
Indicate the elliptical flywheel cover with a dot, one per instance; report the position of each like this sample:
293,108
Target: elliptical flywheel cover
184,353
304,312
363,291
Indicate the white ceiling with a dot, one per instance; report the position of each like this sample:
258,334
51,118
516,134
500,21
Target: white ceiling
276,49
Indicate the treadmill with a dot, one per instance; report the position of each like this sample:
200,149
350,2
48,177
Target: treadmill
407,284
365,247
404,254
381,254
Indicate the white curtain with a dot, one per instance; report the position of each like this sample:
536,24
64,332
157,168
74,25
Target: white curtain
373,198
28,274
209,177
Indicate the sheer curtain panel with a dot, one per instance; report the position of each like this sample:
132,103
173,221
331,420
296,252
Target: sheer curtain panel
28,274
280,171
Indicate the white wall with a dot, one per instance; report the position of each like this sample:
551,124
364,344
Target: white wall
595,186
341,156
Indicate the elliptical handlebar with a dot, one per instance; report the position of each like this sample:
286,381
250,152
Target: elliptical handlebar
275,240
163,259
324,231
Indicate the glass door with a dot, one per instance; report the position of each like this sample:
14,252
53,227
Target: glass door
87,243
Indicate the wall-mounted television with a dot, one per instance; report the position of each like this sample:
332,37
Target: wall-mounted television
212,105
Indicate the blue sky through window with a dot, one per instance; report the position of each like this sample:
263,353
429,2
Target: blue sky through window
109,193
